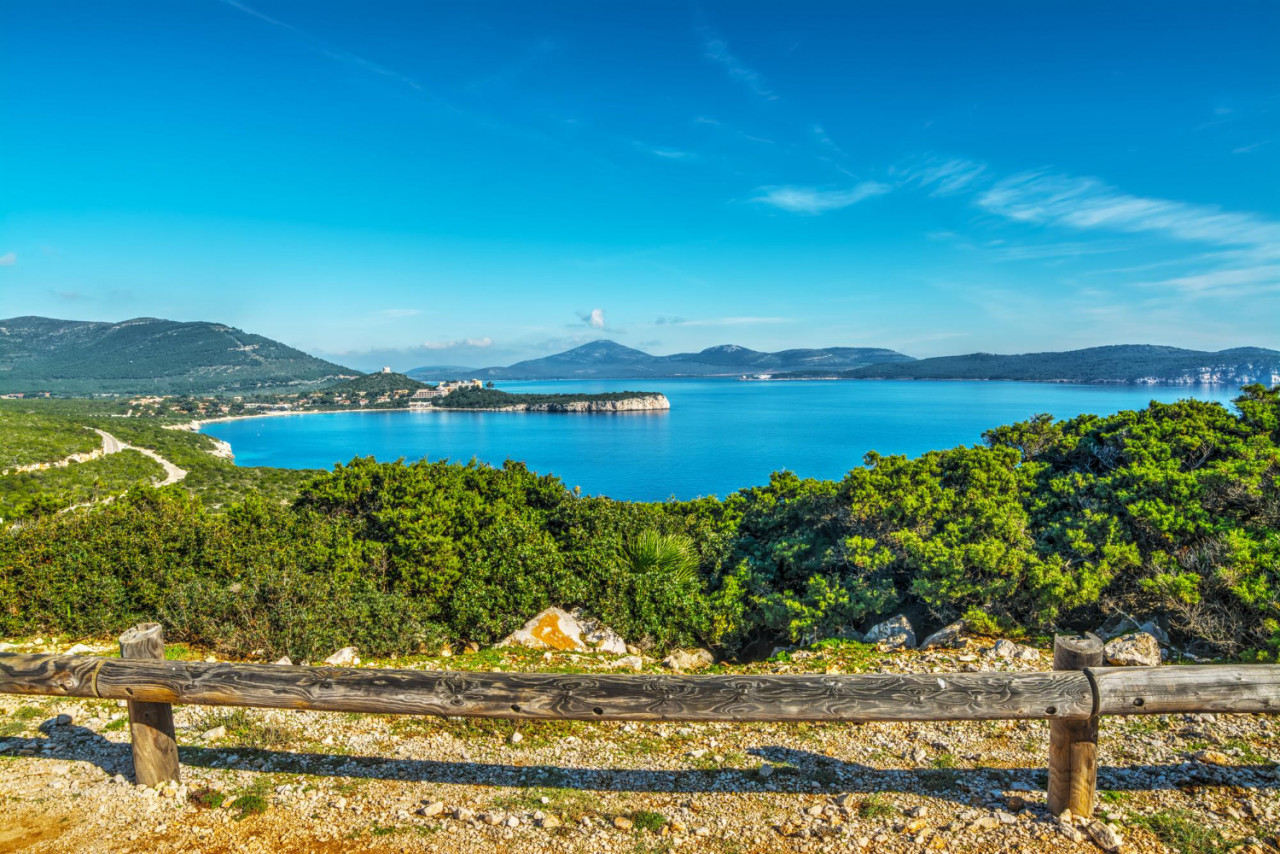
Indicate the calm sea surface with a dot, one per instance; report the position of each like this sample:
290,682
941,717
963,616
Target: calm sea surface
719,436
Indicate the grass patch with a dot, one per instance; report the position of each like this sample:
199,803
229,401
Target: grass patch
569,804
874,807
648,820
20,721
244,727
249,804
1183,833
115,726
206,798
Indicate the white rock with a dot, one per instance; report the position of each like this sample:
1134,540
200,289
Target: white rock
893,634
598,636
1136,650
345,657
1106,836
432,809
516,738
216,732
80,649
551,629
284,660
945,636
765,771
1005,648
1152,628
689,659
631,662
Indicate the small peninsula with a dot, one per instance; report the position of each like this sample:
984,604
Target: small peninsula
492,400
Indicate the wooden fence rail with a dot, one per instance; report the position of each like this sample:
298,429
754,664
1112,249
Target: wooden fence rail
1072,697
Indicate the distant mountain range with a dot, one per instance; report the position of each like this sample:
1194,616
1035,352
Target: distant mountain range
610,360
147,355
1125,363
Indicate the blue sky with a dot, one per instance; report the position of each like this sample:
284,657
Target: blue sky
474,183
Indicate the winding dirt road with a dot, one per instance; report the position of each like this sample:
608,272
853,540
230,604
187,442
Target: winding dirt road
112,445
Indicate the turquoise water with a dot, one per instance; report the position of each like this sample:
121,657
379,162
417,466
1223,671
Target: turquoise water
719,436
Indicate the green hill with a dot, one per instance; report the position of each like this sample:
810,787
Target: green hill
374,384
147,355
1125,363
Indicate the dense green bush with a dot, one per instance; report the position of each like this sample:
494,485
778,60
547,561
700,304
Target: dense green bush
1172,511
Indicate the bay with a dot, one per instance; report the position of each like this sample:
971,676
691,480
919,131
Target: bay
720,435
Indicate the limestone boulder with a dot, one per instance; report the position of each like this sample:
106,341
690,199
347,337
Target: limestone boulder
557,629
598,636
689,659
893,634
947,636
1134,650
345,657
551,629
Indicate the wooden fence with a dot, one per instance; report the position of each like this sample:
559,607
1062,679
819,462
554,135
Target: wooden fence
1072,697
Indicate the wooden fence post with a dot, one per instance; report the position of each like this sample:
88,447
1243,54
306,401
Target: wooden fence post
155,748
1073,745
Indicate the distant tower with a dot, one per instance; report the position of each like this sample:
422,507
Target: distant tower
386,370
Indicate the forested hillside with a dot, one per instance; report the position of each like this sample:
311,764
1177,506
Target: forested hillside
1126,363
1170,512
146,355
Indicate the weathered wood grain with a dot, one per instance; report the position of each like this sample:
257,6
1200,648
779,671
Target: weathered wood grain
1073,744
155,745
57,675
1228,688
866,697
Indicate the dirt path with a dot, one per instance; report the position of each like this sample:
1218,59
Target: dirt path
172,474
112,445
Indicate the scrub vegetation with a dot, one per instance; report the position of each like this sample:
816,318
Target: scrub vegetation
1172,510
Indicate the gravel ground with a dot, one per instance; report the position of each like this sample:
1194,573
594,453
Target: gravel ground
279,781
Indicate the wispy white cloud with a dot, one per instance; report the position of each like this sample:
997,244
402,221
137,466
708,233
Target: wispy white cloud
821,135
396,313
1087,203
943,176
475,343
1250,148
717,50
810,200
1235,282
1245,246
8,259
324,49
593,318
671,153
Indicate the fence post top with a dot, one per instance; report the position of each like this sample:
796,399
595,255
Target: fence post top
142,630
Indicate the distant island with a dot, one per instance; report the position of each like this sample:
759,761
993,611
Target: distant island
41,356
470,397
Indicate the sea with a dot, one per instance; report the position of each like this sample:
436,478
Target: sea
720,435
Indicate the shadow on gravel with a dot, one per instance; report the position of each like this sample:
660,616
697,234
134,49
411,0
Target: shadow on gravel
795,771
